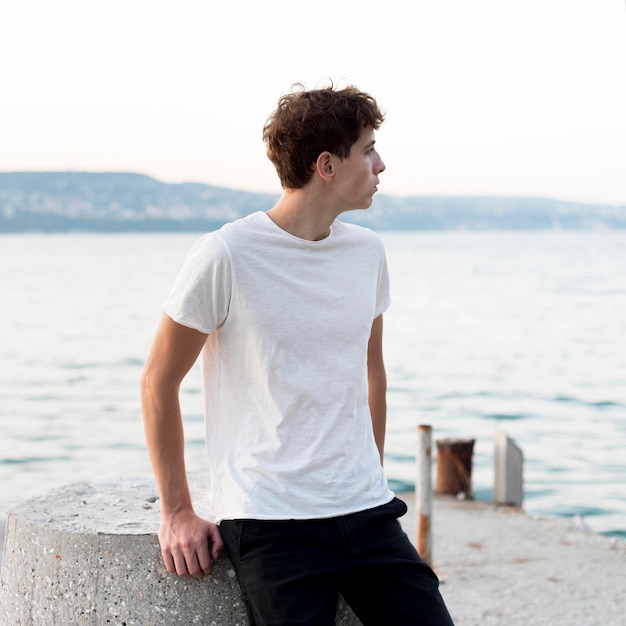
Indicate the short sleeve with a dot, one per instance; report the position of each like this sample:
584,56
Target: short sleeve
200,297
383,298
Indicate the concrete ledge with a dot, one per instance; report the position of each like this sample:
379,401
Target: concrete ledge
89,554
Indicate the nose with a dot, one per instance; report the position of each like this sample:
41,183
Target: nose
380,166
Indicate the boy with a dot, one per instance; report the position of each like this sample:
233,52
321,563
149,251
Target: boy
285,309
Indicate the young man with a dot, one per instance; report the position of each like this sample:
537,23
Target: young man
285,309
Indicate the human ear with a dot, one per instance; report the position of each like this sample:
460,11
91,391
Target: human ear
324,165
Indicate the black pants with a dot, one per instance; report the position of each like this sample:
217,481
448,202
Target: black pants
291,572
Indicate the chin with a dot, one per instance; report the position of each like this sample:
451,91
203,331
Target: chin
362,206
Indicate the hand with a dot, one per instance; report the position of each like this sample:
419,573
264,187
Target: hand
189,544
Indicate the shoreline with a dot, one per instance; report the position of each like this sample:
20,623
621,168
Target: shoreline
498,565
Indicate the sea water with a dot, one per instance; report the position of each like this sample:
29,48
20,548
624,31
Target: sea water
519,331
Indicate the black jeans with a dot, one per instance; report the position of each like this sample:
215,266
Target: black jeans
291,572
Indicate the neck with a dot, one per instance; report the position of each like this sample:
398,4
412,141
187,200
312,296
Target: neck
302,215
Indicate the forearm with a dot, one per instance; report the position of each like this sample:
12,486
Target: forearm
173,353
377,384
165,441
189,544
377,400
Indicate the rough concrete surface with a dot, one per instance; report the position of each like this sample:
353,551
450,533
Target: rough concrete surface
88,554
498,566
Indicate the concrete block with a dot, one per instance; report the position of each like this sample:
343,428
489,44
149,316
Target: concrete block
88,554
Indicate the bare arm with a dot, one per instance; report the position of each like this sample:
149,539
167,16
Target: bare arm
188,543
377,384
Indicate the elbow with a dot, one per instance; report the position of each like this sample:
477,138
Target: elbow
145,388
377,379
145,381
157,384
149,386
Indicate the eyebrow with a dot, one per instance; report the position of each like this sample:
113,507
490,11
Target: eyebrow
369,145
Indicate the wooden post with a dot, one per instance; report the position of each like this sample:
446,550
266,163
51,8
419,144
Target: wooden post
508,485
424,493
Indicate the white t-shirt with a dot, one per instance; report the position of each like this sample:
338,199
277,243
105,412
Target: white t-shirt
288,427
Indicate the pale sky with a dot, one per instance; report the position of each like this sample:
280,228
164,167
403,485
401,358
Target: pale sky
494,97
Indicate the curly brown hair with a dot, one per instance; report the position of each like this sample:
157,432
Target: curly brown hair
309,122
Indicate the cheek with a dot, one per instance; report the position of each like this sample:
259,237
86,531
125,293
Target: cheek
365,175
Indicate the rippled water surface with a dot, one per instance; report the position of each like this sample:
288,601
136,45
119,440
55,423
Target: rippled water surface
525,332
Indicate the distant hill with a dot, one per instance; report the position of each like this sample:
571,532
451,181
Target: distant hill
127,202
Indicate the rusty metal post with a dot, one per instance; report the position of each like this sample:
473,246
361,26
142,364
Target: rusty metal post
424,493
454,466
